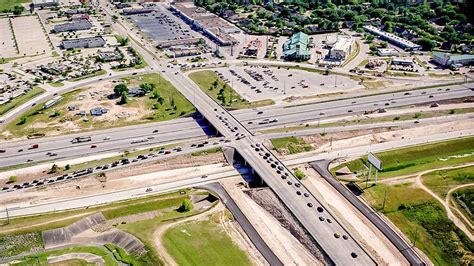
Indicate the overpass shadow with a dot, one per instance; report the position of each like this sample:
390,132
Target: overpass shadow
207,127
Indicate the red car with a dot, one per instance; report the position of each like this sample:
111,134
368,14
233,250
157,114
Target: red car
93,146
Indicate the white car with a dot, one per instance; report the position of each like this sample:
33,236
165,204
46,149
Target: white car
107,138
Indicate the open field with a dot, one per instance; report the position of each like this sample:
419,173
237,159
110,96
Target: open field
423,220
42,257
206,80
441,181
17,101
60,119
290,145
9,4
464,201
203,243
415,159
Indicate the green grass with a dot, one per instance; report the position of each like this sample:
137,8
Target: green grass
17,244
15,102
47,221
206,152
203,243
441,181
90,75
421,217
128,259
42,257
164,112
56,84
464,201
418,158
290,145
205,79
9,4
147,206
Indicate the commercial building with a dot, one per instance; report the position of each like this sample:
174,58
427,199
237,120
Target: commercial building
90,42
449,60
82,24
210,24
135,11
297,47
402,61
387,52
178,42
45,3
53,101
108,56
175,53
392,38
342,48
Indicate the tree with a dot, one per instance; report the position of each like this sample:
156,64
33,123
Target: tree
426,43
54,169
123,98
186,205
17,10
67,167
120,89
370,38
12,179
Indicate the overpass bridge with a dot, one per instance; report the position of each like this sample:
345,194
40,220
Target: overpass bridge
335,241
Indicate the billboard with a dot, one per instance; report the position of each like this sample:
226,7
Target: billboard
376,162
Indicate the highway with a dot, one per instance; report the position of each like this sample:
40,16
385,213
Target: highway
253,119
405,248
249,230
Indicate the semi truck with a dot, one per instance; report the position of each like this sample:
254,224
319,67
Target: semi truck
81,139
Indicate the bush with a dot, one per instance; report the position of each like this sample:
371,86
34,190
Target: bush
299,174
186,205
12,179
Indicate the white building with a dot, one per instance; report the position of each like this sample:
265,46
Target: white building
392,38
447,60
402,61
342,48
53,101
387,52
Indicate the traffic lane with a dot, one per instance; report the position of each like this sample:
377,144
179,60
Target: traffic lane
338,248
73,150
248,228
26,208
98,137
420,96
405,248
325,113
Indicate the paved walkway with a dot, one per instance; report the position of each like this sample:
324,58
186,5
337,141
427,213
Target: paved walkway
90,258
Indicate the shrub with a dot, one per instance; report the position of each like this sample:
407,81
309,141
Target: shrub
186,205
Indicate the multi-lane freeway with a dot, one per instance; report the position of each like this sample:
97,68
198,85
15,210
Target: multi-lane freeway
120,139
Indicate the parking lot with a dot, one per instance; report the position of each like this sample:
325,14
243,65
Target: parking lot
256,83
7,42
28,30
162,26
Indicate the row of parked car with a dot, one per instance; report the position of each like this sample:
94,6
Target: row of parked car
101,168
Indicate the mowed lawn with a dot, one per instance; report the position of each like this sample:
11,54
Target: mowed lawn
17,101
290,145
419,158
205,80
9,4
203,243
423,221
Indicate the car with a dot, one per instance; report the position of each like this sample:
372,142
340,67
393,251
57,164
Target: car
407,93
149,189
321,218
349,111
155,131
259,112
345,237
329,220
29,160
353,254
107,138
93,146
431,96
283,176
306,194
310,204
337,235
416,122
297,185
298,193
320,209
20,150
289,183
34,104
204,176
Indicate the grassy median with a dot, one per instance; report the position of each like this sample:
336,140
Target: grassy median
17,101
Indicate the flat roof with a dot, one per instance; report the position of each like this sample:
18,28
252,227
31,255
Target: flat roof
391,36
343,43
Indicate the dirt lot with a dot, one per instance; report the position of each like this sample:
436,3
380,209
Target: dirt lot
7,42
178,168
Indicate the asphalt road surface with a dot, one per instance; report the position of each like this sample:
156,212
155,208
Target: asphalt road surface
405,248
248,228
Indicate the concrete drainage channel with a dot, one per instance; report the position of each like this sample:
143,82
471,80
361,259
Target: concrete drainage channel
120,163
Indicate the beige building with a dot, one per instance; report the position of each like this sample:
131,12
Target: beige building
342,48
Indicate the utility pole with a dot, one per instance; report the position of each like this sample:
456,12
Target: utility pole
384,198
